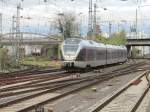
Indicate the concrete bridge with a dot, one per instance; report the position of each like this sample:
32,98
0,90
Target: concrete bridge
37,41
136,42
40,39
28,39
34,40
29,42
139,42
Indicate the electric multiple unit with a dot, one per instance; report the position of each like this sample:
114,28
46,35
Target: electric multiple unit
80,53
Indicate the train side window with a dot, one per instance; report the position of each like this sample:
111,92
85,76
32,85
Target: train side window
81,55
101,54
90,54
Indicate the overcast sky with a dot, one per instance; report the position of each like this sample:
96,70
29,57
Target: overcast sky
41,12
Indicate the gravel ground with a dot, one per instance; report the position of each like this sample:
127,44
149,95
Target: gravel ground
81,100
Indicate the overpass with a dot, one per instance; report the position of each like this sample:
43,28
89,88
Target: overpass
40,39
37,41
29,42
28,39
136,42
31,39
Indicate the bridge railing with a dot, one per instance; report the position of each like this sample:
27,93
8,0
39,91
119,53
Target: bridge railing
133,36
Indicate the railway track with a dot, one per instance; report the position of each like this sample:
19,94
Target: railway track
127,98
26,72
27,78
73,85
48,80
22,76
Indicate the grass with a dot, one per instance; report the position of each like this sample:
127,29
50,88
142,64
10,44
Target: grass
41,62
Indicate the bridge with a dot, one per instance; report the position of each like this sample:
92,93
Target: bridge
29,39
40,39
138,42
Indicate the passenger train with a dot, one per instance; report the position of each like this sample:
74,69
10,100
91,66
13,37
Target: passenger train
81,53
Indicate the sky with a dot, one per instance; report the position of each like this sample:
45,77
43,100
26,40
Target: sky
42,13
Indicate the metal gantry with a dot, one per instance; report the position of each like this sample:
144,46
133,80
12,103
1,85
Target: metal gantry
90,20
16,34
1,26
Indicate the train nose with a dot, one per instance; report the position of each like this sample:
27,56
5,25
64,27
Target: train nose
69,58
69,64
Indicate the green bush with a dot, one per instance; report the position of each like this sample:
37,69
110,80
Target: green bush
116,39
4,58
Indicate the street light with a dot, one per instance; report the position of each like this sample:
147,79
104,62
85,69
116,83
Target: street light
109,21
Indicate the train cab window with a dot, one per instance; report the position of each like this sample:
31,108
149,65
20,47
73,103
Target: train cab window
90,42
72,41
70,49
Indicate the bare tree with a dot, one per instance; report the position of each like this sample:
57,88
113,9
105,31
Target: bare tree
67,25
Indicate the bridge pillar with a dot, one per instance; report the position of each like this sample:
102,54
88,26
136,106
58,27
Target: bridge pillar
129,53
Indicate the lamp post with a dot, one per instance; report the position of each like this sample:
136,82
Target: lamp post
109,22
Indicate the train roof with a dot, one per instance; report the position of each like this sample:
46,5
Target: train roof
91,43
116,46
83,42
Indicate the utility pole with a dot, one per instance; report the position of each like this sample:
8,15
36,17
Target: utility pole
118,27
1,23
110,29
1,26
95,21
18,36
90,20
14,45
136,23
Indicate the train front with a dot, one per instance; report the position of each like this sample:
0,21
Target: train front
69,50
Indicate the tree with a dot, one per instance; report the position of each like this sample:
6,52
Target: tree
66,24
135,52
118,38
4,58
101,38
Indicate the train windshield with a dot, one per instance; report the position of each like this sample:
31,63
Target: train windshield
73,41
70,49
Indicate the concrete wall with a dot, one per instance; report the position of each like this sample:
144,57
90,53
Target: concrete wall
27,49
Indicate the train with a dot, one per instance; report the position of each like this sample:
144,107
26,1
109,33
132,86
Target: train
82,53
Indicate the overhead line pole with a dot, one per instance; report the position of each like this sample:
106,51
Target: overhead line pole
95,20
1,23
1,26
18,36
14,47
90,20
